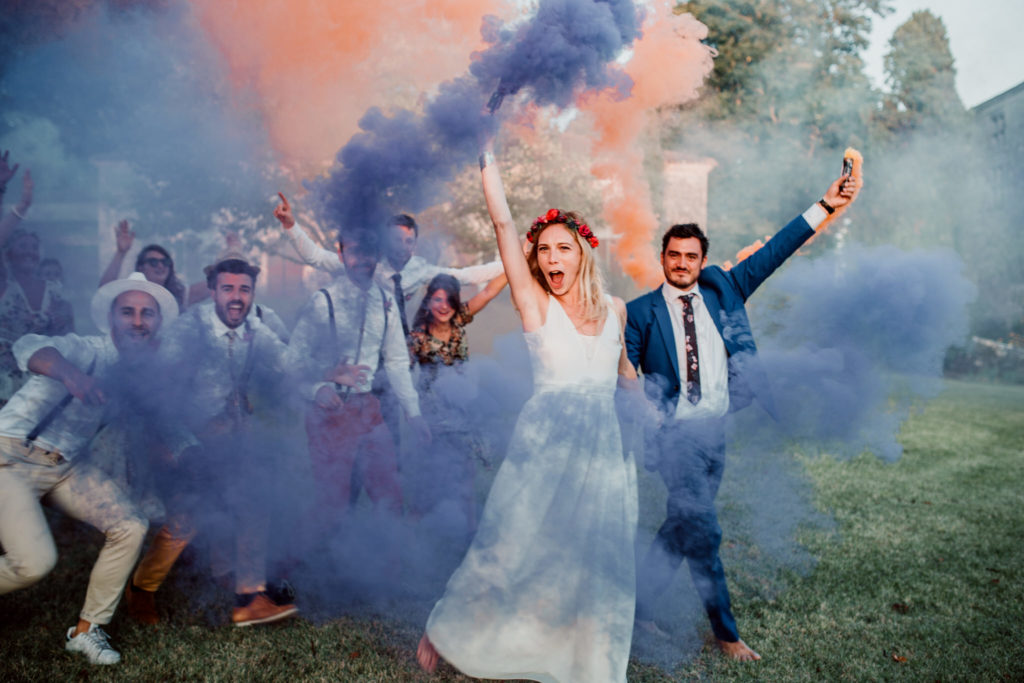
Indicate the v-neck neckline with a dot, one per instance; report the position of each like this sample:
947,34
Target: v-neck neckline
600,332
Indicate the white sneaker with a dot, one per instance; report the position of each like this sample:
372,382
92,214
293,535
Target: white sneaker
93,644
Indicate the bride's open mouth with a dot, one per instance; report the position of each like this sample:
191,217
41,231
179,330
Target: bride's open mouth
555,277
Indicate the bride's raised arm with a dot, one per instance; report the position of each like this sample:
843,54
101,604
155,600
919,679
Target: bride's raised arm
528,295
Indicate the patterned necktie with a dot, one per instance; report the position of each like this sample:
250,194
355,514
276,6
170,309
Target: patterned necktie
692,359
400,298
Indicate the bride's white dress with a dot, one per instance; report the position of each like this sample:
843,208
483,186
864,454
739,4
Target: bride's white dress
547,588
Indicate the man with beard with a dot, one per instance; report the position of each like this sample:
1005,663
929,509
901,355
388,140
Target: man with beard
339,337
43,431
221,358
692,340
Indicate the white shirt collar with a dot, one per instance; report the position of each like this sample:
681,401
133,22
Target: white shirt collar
672,293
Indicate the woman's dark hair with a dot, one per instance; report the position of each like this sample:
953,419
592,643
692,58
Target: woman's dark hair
51,261
173,284
443,282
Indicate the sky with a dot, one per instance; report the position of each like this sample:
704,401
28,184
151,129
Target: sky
984,36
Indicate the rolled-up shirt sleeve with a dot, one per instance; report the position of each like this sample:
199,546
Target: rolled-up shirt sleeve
475,275
304,354
77,350
396,363
311,252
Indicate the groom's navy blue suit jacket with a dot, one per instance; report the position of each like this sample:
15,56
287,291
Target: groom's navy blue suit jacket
650,341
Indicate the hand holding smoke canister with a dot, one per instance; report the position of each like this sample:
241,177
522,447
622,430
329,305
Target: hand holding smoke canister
845,188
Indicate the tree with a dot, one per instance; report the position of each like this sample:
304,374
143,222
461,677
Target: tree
920,72
788,88
920,138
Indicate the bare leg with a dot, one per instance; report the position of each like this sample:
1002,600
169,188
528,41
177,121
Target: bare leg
426,655
738,650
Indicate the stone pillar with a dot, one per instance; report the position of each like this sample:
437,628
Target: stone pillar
685,195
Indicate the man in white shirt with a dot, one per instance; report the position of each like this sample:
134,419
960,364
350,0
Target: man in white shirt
400,272
692,340
346,334
221,357
43,431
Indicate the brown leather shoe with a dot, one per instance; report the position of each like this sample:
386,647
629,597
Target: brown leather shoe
262,610
141,605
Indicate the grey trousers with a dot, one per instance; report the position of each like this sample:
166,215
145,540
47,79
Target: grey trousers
30,474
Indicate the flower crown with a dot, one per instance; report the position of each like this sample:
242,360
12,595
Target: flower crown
555,216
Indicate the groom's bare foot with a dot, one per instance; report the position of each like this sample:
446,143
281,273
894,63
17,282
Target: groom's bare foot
426,655
739,651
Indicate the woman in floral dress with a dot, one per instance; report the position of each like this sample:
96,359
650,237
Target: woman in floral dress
437,343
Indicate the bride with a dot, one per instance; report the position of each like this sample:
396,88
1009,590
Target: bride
546,591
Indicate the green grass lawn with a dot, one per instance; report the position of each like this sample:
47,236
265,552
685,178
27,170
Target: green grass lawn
919,580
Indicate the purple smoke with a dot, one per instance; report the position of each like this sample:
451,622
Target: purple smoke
859,337
401,160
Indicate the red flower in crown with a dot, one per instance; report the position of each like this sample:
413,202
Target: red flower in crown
556,216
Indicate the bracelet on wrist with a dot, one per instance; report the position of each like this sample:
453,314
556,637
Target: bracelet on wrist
828,207
485,159
17,213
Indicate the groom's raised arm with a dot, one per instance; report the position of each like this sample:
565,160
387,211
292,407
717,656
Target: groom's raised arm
748,274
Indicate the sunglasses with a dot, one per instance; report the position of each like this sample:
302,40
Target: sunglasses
154,261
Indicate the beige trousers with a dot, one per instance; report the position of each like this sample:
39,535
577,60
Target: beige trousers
29,474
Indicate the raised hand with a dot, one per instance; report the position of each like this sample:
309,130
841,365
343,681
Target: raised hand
124,236
842,191
6,172
283,212
28,189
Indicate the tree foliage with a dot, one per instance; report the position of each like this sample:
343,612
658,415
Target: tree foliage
920,73
787,89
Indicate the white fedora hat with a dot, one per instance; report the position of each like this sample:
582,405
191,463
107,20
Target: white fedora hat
104,297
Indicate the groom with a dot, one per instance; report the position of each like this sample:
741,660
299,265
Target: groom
692,340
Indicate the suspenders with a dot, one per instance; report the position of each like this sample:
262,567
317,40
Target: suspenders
332,323
54,411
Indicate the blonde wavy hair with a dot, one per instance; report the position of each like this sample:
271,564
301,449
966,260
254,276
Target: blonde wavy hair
589,280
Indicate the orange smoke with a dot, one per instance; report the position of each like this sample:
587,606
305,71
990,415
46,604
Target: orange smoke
858,164
315,67
746,251
668,65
